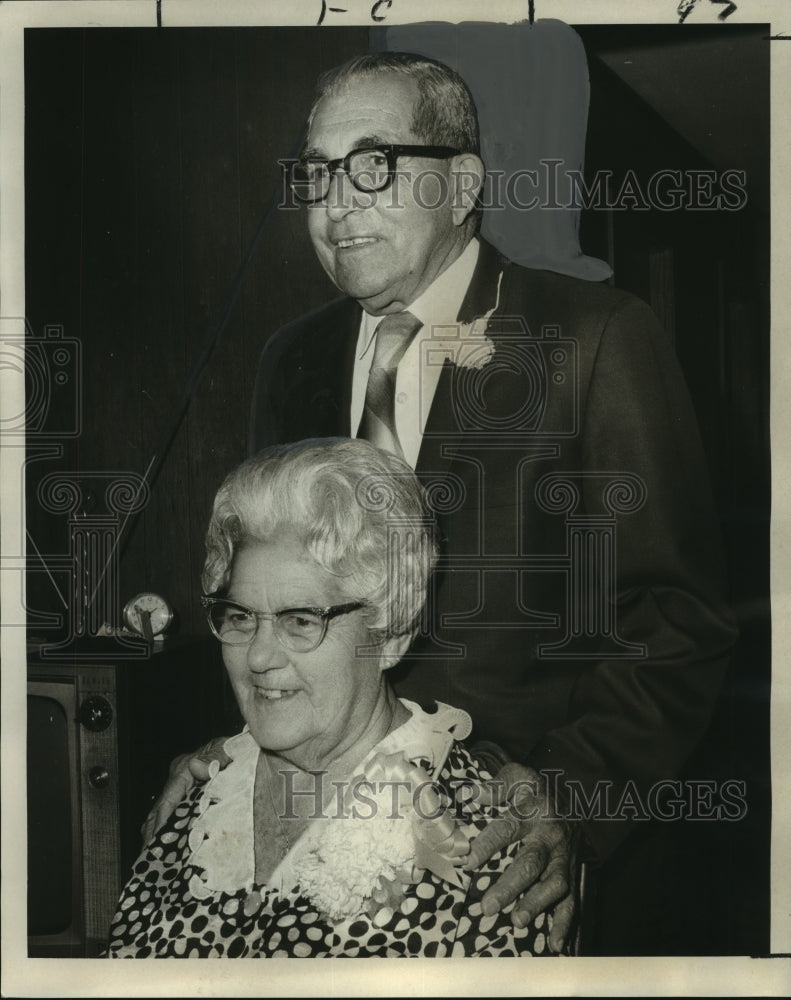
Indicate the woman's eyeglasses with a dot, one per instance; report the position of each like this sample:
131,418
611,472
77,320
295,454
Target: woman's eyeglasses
370,169
300,630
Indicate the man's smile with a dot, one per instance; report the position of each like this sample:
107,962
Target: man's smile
274,694
352,242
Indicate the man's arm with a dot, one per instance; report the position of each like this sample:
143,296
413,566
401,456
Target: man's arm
638,719
543,877
184,772
631,722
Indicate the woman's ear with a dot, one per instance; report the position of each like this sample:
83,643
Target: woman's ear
393,649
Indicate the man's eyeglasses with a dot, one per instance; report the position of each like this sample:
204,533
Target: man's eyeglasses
300,630
370,169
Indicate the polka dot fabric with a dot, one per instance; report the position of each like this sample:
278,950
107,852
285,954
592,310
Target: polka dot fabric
158,917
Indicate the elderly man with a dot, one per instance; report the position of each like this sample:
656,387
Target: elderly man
577,612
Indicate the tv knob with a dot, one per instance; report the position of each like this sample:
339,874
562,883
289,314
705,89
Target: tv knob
98,777
96,713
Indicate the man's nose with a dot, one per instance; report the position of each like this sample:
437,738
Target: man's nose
265,652
343,197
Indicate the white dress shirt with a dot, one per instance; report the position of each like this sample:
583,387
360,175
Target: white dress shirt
419,369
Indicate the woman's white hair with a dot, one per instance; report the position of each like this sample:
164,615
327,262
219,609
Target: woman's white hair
361,513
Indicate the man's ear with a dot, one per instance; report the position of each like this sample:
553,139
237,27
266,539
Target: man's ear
393,649
467,174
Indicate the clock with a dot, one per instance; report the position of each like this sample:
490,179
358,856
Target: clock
148,615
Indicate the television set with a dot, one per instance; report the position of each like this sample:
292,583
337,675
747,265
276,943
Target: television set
100,738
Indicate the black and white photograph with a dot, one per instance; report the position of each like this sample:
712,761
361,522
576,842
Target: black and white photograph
393,497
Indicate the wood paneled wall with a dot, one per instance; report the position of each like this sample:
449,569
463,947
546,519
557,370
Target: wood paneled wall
150,159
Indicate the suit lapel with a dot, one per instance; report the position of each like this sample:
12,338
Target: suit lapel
442,426
328,368
433,457
323,389
482,292
346,359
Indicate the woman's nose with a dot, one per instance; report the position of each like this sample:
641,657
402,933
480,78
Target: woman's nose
265,651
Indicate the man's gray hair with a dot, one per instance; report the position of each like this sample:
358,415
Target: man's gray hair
444,114
360,512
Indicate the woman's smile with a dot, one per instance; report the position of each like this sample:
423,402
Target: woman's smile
308,707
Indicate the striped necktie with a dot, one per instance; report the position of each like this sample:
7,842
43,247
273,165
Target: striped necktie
393,336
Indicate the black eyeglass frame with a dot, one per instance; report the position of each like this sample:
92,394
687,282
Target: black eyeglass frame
325,614
391,153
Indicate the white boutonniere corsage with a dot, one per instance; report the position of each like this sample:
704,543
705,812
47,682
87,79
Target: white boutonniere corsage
393,827
467,345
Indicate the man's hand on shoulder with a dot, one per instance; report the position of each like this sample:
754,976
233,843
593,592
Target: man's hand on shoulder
184,772
543,875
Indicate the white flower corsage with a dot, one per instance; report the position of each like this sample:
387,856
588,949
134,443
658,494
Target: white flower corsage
393,826
467,345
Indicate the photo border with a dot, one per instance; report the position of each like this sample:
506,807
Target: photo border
422,977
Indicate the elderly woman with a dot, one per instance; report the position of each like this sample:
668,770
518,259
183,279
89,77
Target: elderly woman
341,824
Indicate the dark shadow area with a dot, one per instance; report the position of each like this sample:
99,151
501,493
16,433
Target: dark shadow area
704,887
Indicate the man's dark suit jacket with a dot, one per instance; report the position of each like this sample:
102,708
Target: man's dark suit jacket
575,513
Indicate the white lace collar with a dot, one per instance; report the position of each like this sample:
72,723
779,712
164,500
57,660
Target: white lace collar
222,838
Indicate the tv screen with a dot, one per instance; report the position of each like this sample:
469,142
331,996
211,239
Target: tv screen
49,845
